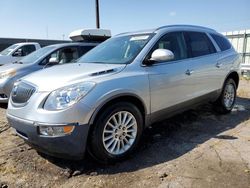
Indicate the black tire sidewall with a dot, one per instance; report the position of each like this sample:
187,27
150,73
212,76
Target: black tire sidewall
97,147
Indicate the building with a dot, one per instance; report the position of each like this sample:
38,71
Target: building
6,42
241,42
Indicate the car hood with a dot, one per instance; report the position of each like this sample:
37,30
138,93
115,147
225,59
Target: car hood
5,59
62,75
12,66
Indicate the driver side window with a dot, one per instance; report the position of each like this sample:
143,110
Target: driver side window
174,42
62,56
24,50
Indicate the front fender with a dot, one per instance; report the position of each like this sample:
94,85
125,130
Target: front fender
115,95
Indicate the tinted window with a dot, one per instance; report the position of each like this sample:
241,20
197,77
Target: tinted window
27,49
199,44
174,42
85,49
222,42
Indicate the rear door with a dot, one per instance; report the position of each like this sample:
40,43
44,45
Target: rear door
201,67
226,58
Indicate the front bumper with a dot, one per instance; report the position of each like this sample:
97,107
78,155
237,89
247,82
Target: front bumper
70,146
3,94
5,89
3,99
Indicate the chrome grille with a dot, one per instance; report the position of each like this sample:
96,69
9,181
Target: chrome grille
22,92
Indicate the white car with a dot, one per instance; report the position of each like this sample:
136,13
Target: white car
17,51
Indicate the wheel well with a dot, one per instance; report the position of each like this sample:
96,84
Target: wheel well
235,77
134,100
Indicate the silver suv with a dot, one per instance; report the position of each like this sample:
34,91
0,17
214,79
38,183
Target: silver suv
104,101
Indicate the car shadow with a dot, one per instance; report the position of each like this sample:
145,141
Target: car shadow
4,105
168,139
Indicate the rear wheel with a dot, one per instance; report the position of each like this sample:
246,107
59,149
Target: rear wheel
226,101
116,133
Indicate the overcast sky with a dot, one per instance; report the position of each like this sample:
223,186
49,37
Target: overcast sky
55,19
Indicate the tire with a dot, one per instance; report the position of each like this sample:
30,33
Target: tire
109,137
226,101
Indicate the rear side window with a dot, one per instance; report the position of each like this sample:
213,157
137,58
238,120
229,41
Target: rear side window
85,49
27,49
222,42
199,44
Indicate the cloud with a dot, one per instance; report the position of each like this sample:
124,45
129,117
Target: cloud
172,13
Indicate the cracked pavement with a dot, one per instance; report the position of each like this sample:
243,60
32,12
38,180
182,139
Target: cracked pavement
197,148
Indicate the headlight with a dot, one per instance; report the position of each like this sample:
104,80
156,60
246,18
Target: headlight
67,96
7,74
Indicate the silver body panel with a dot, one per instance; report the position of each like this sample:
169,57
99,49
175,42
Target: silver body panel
159,87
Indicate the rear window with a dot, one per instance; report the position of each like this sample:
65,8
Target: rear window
222,42
199,44
27,49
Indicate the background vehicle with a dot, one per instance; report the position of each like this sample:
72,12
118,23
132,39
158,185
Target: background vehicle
245,70
17,51
130,81
57,54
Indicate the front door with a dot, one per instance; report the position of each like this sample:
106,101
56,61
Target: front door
168,80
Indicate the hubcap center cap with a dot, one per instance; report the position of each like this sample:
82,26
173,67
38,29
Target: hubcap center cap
119,132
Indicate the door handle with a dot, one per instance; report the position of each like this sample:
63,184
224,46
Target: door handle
189,72
218,65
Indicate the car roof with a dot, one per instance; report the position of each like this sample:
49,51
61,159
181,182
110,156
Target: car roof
172,27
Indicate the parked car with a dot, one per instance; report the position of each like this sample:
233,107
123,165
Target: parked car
104,101
17,51
245,70
57,54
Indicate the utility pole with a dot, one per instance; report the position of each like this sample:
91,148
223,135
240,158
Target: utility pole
97,14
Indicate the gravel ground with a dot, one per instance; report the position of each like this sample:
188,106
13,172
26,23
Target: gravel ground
198,148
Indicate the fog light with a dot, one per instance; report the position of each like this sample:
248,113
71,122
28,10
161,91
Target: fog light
55,130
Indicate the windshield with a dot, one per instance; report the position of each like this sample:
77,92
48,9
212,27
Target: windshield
8,50
37,54
117,50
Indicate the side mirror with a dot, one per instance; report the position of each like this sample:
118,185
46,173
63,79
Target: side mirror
162,55
18,53
53,61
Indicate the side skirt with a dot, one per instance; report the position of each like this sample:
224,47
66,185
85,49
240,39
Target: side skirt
181,107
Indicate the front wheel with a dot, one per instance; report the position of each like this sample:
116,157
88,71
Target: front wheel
116,133
225,102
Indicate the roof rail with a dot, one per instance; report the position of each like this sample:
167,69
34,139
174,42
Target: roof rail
194,26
